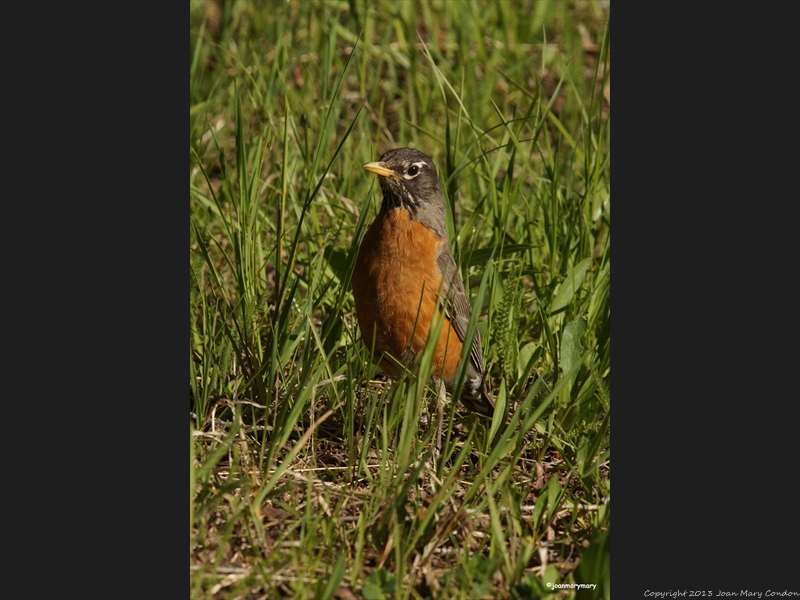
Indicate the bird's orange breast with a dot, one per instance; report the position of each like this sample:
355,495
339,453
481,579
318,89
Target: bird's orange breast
396,284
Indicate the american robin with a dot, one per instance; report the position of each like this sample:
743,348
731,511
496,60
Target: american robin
405,273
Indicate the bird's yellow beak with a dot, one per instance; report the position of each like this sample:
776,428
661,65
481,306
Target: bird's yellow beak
379,168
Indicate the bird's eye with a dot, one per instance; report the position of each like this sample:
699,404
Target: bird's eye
413,170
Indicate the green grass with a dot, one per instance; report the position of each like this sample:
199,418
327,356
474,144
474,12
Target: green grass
311,476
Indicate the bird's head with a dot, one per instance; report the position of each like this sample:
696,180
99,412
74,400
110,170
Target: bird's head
408,180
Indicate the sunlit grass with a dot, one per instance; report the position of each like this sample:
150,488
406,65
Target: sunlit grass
309,472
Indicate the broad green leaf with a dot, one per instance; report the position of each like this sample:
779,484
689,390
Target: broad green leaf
570,350
571,283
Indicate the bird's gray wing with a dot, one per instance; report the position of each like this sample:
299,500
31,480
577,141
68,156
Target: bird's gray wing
457,307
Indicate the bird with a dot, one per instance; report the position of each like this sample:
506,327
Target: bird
405,273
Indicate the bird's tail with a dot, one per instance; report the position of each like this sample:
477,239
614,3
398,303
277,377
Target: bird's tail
475,396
